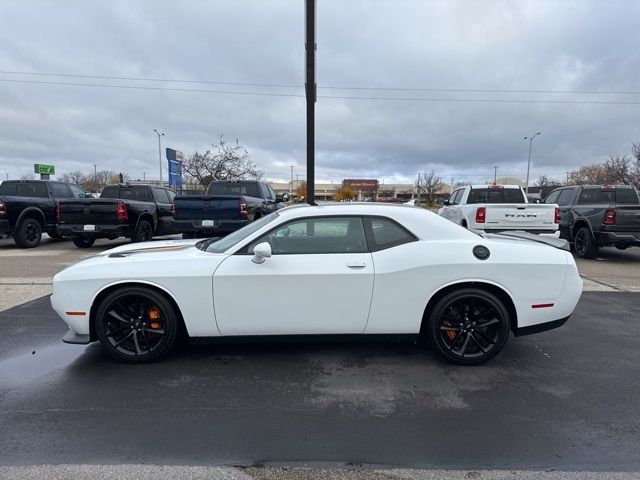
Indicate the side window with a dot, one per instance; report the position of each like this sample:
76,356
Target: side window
454,200
76,192
35,189
383,233
171,194
553,197
316,235
272,193
161,195
565,197
60,190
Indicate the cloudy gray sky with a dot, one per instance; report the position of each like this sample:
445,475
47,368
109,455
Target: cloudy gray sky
428,46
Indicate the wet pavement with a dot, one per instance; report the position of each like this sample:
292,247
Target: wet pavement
565,399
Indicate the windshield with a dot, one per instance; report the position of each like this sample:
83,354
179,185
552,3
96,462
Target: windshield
225,243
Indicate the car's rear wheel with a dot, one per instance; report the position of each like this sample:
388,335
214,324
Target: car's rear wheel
584,244
136,325
28,234
143,232
83,242
469,326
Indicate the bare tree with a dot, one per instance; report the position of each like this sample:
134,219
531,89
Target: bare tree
224,162
76,177
28,176
429,184
544,181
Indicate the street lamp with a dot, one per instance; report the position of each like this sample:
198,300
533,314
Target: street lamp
159,152
526,190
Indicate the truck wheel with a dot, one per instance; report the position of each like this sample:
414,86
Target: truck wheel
143,232
585,245
28,234
83,242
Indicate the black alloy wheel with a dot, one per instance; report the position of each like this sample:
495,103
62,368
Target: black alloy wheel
584,244
136,325
83,242
469,326
143,232
28,234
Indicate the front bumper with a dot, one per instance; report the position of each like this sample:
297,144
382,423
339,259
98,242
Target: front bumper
100,231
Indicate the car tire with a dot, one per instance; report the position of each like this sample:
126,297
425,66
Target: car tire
136,325
83,242
468,326
143,232
28,234
584,244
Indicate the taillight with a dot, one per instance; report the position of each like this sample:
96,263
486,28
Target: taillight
173,210
3,210
481,215
121,212
243,207
58,213
609,216
556,218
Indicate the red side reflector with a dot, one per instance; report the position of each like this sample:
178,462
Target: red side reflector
481,215
542,305
76,313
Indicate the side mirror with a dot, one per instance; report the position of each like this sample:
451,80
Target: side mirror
446,203
279,198
261,252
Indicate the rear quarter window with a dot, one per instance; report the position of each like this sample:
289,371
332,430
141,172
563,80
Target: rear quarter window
383,233
35,189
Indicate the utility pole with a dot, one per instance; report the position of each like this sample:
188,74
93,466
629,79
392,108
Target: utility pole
451,187
418,188
310,93
95,177
495,175
526,190
144,176
567,178
291,184
159,152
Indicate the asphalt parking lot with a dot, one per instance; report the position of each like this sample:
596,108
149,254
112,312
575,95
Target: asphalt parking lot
564,400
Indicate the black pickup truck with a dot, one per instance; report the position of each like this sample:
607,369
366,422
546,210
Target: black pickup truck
593,216
226,207
27,208
135,211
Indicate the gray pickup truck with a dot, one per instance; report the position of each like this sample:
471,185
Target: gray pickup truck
594,216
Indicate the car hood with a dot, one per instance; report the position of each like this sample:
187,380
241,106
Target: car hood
151,247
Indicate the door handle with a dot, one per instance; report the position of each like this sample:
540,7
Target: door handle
356,264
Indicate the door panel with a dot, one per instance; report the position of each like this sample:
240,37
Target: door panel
293,294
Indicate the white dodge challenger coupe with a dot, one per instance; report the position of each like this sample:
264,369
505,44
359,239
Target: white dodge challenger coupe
338,269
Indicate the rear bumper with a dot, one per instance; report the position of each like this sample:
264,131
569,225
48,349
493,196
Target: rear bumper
5,228
101,231
541,327
616,238
551,232
195,226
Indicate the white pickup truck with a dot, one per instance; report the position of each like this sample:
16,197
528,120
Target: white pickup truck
497,208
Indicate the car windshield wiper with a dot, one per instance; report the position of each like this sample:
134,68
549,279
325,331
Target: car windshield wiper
204,244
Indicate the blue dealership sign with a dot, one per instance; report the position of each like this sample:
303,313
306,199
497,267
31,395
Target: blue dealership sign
175,158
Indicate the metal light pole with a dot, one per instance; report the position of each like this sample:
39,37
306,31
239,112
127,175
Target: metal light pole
310,93
159,152
291,184
526,190
495,175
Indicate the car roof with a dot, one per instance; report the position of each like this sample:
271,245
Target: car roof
421,222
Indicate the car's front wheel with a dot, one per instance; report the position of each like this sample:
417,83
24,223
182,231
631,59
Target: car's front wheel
469,326
136,325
